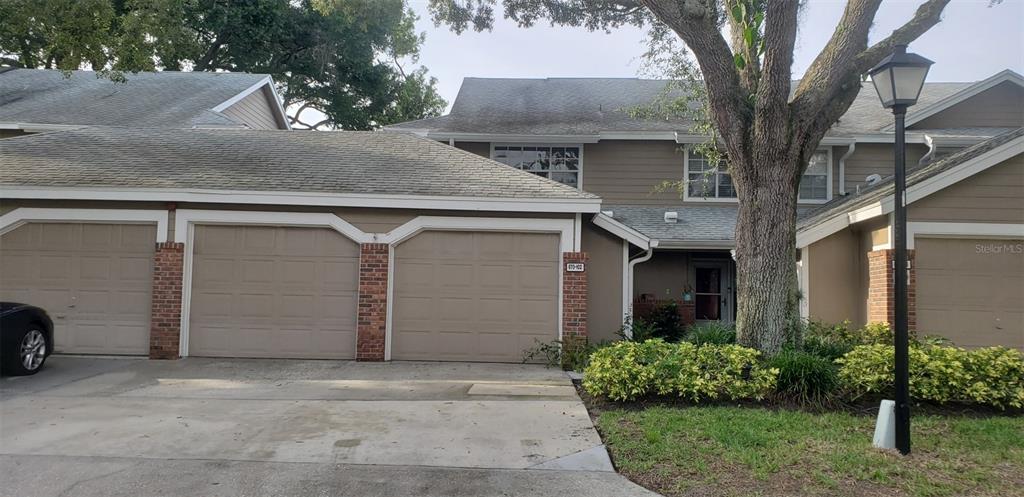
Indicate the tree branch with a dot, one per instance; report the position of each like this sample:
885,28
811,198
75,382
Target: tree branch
927,16
776,74
834,79
696,23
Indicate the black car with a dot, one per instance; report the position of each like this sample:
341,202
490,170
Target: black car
26,338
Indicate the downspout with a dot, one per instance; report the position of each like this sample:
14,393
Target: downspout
628,328
931,150
842,167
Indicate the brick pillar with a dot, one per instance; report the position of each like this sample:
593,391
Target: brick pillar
165,312
881,288
574,297
373,301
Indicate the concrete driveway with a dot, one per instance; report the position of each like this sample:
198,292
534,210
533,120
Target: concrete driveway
95,426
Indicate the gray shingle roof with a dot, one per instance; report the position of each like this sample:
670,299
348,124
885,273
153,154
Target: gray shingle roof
712,223
587,106
916,175
172,99
249,160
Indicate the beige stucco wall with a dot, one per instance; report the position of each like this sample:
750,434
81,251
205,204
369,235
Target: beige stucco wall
834,265
254,110
876,158
995,195
664,276
604,282
999,106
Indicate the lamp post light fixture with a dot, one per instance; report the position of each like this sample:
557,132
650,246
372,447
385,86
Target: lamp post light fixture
898,79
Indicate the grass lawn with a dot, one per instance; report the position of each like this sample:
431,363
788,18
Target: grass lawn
726,451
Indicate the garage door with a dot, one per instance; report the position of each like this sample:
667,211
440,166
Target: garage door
969,290
94,280
468,296
273,292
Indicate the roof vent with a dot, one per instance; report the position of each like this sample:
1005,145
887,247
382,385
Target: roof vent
873,179
671,217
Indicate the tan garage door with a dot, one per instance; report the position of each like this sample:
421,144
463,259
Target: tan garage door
95,280
971,290
468,296
273,292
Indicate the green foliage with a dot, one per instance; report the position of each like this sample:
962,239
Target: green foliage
712,332
666,321
805,377
571,354
632,370
341,58
991,376
640,329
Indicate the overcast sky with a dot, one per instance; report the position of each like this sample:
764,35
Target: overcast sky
973,42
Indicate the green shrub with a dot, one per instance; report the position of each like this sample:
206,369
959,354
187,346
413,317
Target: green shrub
712,332
571,354
666,322
639,329
626,370
631,370
991,376
805,377
824,348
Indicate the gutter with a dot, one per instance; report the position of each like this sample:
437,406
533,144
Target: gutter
628,327
842,167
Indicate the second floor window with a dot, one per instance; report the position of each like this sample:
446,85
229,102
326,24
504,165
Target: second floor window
814,183
704,180
557,162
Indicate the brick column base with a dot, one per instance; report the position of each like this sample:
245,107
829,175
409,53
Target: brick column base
165,312
373,301
881,302
574,297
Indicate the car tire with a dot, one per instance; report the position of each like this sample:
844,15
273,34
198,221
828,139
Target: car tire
28,353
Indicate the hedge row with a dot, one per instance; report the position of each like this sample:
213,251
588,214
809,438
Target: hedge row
630,370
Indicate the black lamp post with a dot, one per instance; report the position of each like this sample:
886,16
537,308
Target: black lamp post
898,80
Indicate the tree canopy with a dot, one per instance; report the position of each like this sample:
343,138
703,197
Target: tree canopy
342,58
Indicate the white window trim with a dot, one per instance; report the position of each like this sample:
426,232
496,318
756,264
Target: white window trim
23,215
686,185
733,200
565,228
1008,231
829,178
579,173
185,221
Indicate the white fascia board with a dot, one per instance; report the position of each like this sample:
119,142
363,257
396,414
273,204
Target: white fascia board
622,231
185,217
962,95
638,135
244,93
304,198
963,230
277,107
22,215
564,227
695,244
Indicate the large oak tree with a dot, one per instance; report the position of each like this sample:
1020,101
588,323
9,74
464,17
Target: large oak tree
338,63
767,129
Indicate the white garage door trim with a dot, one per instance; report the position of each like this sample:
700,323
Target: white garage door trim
184,232
962,230
563,227
23,215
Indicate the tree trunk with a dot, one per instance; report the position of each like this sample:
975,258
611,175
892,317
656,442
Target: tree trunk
766,289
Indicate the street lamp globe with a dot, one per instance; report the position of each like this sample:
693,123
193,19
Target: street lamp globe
898,78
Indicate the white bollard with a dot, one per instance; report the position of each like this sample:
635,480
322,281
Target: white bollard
885,426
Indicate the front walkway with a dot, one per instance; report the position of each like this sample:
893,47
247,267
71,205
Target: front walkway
103,426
